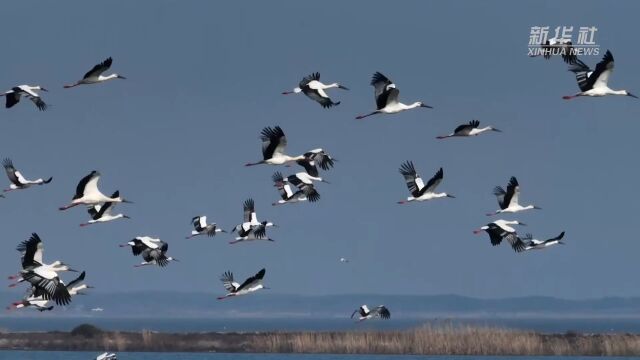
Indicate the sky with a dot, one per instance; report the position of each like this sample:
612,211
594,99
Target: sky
203,79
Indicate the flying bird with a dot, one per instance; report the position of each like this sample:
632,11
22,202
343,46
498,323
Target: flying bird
251,228
101,213
87,193
315,90
17,180
202,228
364,313
535,244
40,304
290,194
306,177
386,95
274,143
153,251
558,46
508,200
95,76
594,83
470,129
501,230
13,96
252,284
419,191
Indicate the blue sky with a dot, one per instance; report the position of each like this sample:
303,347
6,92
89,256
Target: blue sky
205,77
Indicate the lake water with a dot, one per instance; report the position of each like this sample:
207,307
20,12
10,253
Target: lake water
63,355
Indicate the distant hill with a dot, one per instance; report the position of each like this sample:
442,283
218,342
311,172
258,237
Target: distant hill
266,305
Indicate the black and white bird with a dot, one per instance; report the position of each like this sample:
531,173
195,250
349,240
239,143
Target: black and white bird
13,96
95,76
202,228
251,229
252,284
501,230
364,313
274,144
308,176
594,83
18,181
386,95
292,193
535,244
153,251
557,46
39,303
107,356
315,90
43,277
101,213
470,129
508,200
87,193
419,191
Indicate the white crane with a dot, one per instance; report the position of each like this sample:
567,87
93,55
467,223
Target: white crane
500,230
386,95
289,194
470,129
419,191
594,83
508,200
315,90
17,180
87,193
364,313
535,244
153,251
557,46
13,96
202,228
43,277
251,228
95,76
107,356
252,284
274,143
101,213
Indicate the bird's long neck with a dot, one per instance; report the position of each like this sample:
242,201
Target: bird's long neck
618,92
329,86
108,77
410,106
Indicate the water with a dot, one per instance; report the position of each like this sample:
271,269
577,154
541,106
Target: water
64,355
547,325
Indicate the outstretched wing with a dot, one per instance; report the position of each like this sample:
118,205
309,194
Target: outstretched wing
433,183
253,279
321,158
274,142
413,180
249,210
227,281
309,78
99,69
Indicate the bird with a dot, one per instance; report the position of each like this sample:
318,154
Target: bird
500,230
37,303
315,90
594,83
558,46
420,192
40,304
17,180
364,313
202,228
107,356
344,260
470,129
13,96
386,95
289,195
97,309
43,277
87,193
251,284
95,76
251,228
101,212
306,177
535,244
153,251
508,200
274,143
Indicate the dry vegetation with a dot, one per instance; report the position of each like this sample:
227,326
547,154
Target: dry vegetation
443,340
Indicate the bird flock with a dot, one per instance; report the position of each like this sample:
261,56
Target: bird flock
46,287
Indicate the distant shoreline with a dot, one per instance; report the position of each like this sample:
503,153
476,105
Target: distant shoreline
444,340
